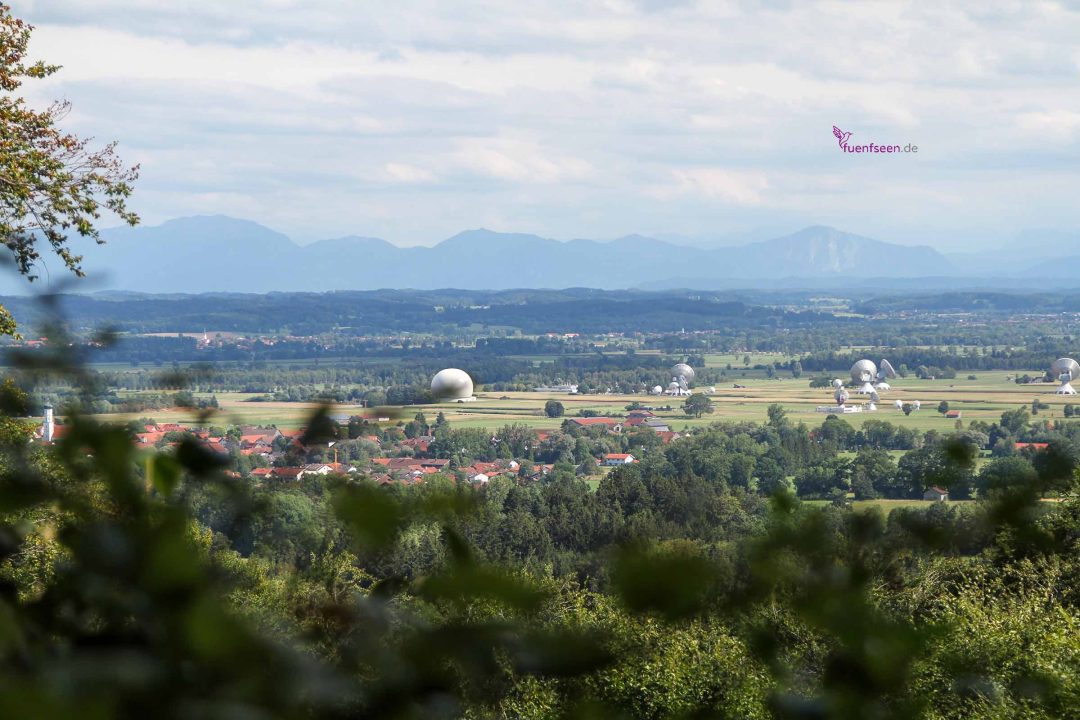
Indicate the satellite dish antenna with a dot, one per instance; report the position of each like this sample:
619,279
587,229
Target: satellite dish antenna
862,375
899,404
1065,370
682,375
885,372
840,394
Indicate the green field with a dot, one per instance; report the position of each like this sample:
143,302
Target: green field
982,399
886,506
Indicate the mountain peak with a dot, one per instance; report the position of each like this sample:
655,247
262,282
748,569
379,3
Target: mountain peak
823,250
482,238
825,233
216,223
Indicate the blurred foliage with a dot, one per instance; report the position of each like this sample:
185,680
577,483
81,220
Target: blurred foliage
136,585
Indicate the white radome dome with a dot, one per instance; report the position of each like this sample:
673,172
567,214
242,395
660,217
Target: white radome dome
452,384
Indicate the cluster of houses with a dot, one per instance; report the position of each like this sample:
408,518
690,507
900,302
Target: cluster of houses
634,419
272,445
253,440
413,470
274,452
298,473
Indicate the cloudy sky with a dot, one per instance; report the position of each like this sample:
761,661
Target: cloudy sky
412,120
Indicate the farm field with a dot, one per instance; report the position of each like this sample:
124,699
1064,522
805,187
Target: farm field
984,398
235,409
886,506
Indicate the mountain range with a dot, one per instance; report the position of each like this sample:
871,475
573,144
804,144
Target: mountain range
219,253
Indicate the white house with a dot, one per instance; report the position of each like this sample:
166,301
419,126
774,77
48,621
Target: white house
616,459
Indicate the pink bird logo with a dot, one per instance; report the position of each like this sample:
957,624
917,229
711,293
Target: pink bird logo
841,136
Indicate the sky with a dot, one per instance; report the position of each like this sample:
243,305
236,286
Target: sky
415,119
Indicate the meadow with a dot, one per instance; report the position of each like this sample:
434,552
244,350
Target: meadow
984,398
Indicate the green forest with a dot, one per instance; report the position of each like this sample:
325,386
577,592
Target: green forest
692,584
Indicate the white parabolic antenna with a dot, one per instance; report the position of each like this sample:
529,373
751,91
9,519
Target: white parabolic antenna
885,372
682,376
1065,370
840,393
684,371
863,374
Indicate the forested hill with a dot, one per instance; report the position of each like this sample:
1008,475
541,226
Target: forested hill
392,311
451,312
575,310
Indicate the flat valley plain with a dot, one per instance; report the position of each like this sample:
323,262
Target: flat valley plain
984,398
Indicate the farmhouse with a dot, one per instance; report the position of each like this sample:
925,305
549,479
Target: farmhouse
610,423
616,459
936,493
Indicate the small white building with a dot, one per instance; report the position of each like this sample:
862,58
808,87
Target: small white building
838,409
616,459
937,494
567,389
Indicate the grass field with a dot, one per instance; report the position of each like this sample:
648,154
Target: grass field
886,506
982,399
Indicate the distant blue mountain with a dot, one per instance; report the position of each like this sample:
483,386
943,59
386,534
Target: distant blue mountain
219,253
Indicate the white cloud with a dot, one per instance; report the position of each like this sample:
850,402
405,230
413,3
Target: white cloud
519,161
574,119
733,186
1057,124
403,172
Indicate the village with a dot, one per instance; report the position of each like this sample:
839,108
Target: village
406,453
